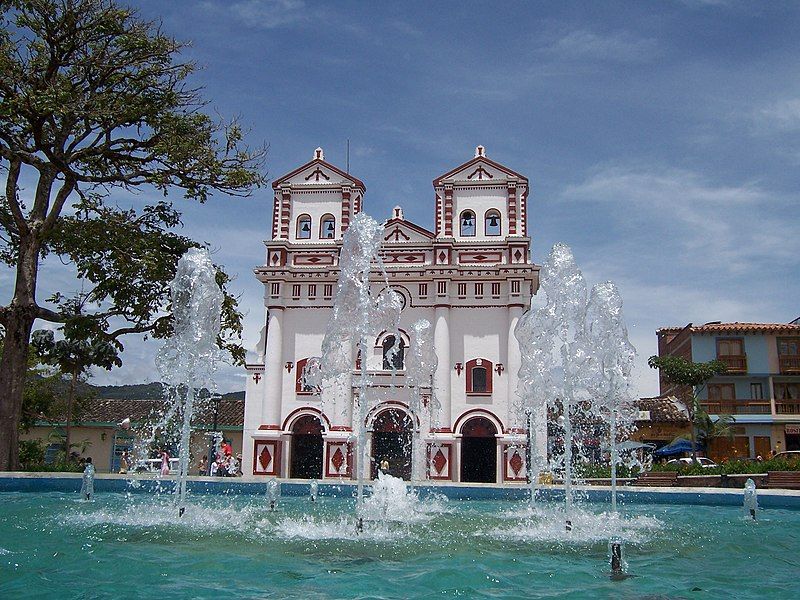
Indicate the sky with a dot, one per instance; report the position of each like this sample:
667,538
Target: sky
660,138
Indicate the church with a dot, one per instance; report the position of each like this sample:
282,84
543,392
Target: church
471,277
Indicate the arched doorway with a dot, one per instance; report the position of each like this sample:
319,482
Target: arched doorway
306,448
391,440
479,451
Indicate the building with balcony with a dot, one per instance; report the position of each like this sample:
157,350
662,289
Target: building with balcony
760,389
471,277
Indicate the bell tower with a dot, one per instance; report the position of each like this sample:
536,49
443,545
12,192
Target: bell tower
315,202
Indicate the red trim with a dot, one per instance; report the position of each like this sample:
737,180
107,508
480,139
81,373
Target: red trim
410,225
298,412
448,211
269,428
441,430
345,210
484,364
348,472
477,412
341,428
276,457
319,162
523,474
512,208
438,181
449,475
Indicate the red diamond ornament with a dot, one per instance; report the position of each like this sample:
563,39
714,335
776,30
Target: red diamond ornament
516,463
439,461
338,459
264,458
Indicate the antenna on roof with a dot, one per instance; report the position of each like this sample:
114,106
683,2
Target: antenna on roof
348,157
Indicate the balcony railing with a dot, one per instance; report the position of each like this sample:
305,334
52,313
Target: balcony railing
752,407
787,407
735,364
789,363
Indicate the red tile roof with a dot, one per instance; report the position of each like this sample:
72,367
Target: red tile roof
664,409
736,328
101,411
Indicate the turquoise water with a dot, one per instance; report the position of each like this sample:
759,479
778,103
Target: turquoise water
54,545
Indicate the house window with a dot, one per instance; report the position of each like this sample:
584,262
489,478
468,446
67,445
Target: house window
787,391
304,227
789,355
296,290
312,291
496,290
515,287
275,289
479,376
756,391
462,290
423,290
492,222
719,392
327,290
479,290
327,227
441,288
730,347
467,221
393,353
731,352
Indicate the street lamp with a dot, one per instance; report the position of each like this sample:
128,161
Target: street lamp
212,451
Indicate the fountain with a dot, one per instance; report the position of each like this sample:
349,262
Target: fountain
87,481
750,498
576,362
421,365
358,316
273,493
188,360
313,490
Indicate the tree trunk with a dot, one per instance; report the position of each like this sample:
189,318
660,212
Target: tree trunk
18,321
70,403
692,427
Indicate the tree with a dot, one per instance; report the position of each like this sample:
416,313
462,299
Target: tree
74,356
94,99
679,371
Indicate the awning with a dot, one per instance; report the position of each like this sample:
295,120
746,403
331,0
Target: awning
676,447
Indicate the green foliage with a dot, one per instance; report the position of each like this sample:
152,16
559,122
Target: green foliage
31,454
593,471
732,467
679,371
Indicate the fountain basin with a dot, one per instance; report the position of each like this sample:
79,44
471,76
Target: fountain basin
69,483
134,546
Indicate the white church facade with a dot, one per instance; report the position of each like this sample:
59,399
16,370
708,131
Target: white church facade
471,277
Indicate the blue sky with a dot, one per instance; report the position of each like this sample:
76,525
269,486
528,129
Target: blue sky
660,138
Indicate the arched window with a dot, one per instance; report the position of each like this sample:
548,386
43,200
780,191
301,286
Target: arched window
304,227
492,223
479,376
467,221
300,386
393,353
327,227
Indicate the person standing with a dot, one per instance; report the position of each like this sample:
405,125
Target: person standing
124,462
164,463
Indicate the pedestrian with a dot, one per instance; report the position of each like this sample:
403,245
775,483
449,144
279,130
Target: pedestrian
164,463
202,468
124,462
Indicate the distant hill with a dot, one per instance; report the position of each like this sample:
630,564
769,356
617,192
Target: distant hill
143,391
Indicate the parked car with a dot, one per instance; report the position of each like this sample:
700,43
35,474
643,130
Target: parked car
704,462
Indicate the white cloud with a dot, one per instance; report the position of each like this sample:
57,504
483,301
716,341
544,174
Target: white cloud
616,47
734,228
262,14
783,115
